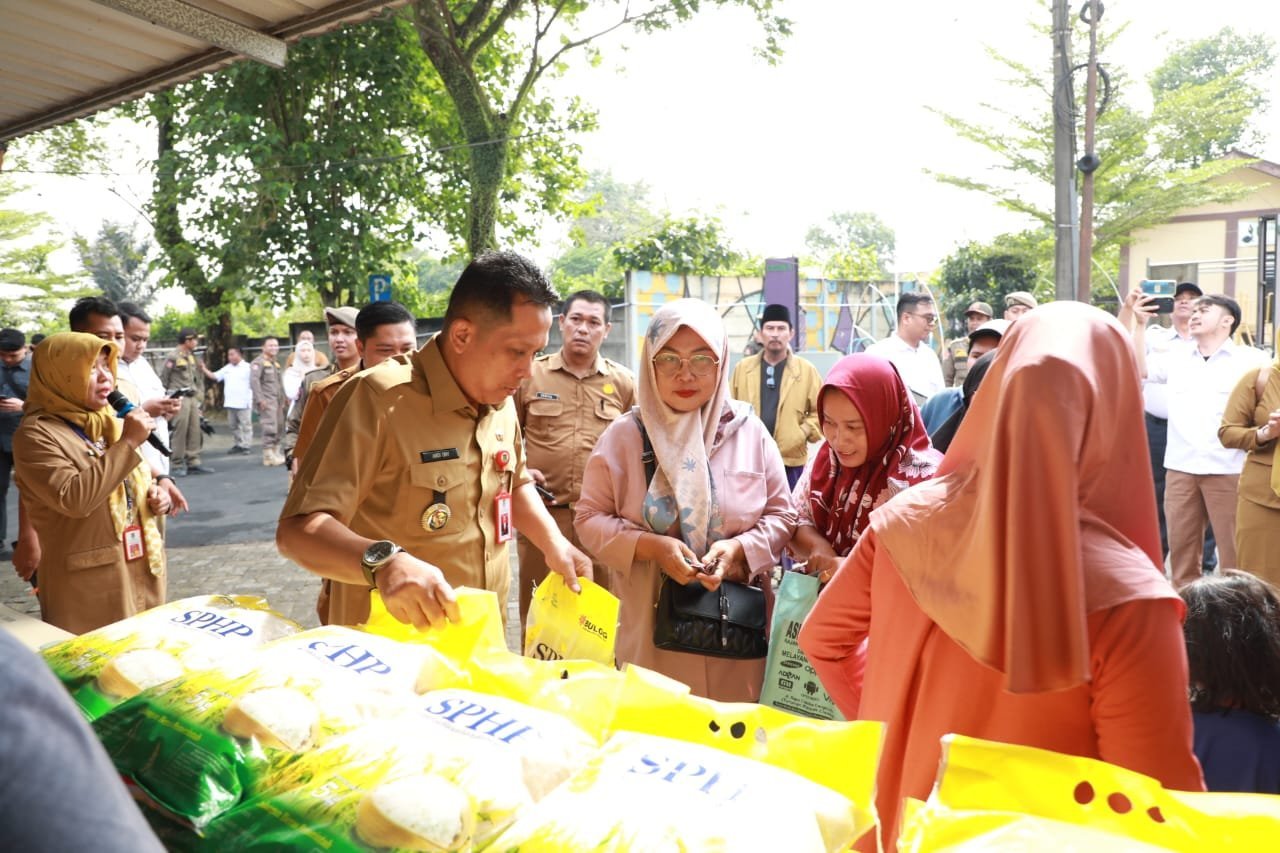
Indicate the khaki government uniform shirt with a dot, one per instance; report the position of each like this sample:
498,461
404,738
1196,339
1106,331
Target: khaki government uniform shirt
182,370
398,440
85,581
562,417
955,362
293,421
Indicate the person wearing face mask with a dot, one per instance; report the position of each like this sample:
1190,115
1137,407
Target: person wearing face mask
87,491
718,507
875,447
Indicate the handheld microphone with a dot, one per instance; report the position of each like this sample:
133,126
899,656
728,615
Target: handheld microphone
121,404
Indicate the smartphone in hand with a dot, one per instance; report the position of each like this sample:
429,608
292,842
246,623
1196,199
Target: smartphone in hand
1162,290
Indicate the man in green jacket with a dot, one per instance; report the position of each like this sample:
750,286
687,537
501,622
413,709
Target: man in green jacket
783,389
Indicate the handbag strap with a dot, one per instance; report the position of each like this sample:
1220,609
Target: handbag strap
647,457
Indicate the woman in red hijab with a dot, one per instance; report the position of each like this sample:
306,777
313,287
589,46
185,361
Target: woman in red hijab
875,447
1017,596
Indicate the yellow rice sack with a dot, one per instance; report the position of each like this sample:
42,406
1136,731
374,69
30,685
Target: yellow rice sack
104,667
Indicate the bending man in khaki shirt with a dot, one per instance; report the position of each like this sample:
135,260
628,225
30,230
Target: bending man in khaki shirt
564,407
418,456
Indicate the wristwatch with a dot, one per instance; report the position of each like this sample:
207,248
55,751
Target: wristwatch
376,556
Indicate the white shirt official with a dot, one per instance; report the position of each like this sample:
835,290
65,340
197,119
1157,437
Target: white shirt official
236,391
919,366
1198,389
144,378
1161,339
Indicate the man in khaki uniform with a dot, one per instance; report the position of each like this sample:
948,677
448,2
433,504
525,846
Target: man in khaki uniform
417,473
564,407
342,343
955,356
783,389
1018,303
267,381
184,370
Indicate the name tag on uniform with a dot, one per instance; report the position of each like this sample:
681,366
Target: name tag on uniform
546,395
133,542
442,455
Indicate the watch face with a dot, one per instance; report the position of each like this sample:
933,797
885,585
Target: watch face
379,551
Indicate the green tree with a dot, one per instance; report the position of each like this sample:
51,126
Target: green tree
275,182
36,293
687,246
491,57
607,214
987,272
1214,86
852,247
117,261
1148,172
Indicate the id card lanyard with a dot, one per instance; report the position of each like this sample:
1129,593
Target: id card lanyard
131,539
502,501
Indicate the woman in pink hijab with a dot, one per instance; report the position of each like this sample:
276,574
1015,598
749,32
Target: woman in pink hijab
1017,596
718,497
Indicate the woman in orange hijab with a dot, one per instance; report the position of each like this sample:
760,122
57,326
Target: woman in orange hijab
86,490
1016,596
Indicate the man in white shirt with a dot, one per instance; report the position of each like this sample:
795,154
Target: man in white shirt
916,361
137,372
237,399
1201,475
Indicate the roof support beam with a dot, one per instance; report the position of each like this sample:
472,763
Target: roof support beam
197,23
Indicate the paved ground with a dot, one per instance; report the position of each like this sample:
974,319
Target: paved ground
226,543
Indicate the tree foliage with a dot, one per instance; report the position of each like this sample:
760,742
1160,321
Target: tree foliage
852,246
987,272
275,182
686,246
117,261
492,54
35,293
1152,165
607,214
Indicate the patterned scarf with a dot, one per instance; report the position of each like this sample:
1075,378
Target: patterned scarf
898,450
683,489
60,371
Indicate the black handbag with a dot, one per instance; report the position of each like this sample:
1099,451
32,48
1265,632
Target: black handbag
726,623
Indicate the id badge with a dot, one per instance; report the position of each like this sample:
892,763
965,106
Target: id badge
502,516
133,543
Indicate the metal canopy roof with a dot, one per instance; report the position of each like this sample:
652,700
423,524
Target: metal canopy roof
63,59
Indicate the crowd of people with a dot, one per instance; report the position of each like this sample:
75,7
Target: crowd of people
991,539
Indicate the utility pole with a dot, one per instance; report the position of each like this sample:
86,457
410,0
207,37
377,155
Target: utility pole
1064,255
1089,162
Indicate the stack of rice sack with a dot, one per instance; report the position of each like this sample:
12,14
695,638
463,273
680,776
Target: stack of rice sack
102,668
679,772
195,747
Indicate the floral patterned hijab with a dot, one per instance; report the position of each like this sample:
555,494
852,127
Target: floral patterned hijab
683,489
898,450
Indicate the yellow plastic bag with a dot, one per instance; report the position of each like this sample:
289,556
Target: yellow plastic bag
834,754
934,828
988,776
565,625
580,690
644,793
478,630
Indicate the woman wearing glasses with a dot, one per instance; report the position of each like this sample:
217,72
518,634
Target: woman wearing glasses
718,500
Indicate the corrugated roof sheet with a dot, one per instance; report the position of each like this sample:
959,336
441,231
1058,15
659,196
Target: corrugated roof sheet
62,59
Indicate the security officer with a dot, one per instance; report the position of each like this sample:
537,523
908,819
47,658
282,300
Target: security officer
267,381
417,474
183,371
564,407
341,322
955,357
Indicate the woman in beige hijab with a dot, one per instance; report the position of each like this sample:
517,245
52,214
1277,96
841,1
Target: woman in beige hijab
86,489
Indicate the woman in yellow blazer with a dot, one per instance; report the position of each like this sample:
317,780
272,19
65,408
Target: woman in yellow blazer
86,490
